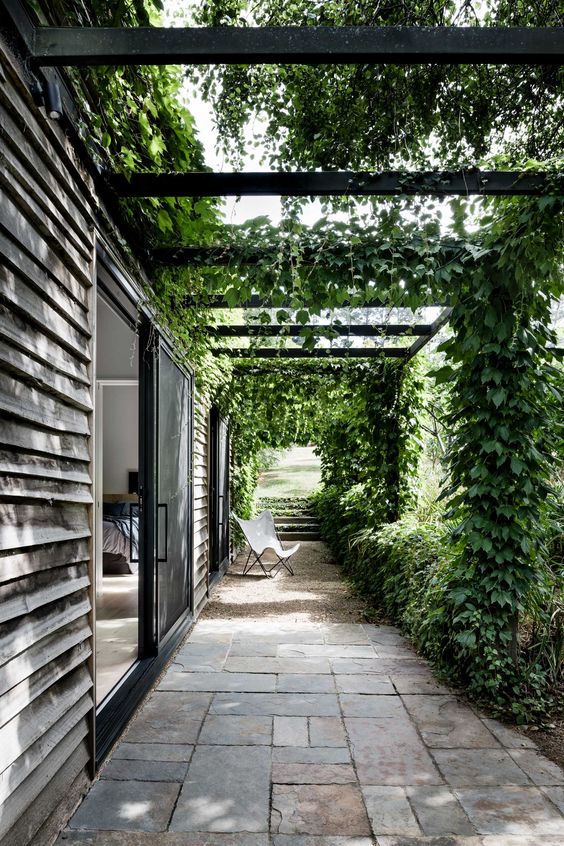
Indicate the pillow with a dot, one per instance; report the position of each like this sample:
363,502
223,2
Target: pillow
116,509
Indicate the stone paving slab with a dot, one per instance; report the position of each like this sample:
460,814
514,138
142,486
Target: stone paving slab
343,633
448,840
380,666
540,770
198,664
446,722
254,649
478,767
227,789
390,752
419,684
389,810
202,635
556,796
327,731
194,648
133,806
363,705
277,665
511,810
170,718
291,731
511,738
215,682
276,704
163,838
201,657
230,730
364,684
439,811
311,755
313,840
304,683
153,752
120,770
326,650
324,809
312,773
279,636
461,840
393,649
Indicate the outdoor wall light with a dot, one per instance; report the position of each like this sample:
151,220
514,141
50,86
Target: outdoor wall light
53,102
48,94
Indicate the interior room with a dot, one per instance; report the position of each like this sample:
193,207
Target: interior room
117,518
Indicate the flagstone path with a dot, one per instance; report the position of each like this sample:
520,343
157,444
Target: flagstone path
287,730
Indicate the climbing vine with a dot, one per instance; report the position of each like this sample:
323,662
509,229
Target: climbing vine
369,116
360,416
505,440
133,118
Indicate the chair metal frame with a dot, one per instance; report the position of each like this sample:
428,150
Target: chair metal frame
265,537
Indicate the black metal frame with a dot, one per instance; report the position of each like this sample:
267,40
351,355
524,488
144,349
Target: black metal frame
317,352
247,569
87,46
220,256
218,301
217,506
163,639
495,183
274,330
282,562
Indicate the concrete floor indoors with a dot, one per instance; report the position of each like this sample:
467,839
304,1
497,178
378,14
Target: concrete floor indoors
283,720
117,623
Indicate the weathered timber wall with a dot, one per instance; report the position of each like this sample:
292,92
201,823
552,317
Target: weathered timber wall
201,536
46,256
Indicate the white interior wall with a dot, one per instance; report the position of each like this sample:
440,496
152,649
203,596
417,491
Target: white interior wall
120,432
117,353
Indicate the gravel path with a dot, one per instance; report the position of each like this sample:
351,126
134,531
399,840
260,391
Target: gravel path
317,592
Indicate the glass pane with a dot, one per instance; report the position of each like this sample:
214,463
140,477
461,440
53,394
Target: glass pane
223,488
173,500
117,511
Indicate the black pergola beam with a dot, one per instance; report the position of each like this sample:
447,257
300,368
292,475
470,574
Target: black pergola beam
435,327
219,301
494,183
280,330
225,256
318,352
86,46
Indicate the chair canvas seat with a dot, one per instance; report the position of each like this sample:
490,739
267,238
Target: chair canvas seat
261,535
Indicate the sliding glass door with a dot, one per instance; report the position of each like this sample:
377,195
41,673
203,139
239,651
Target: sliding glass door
219,492
174,493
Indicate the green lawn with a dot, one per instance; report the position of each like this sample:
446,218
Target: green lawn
297,473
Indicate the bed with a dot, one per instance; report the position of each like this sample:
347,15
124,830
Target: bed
120,537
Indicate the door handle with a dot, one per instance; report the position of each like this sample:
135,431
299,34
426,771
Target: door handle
165,506
133,505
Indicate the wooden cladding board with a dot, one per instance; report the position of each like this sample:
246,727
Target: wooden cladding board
46,255
201,544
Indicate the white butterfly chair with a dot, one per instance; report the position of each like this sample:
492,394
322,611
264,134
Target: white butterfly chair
261,535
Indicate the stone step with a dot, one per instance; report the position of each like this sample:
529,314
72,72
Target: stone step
299,536
295,520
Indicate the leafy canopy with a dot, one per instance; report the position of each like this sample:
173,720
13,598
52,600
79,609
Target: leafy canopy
379,116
